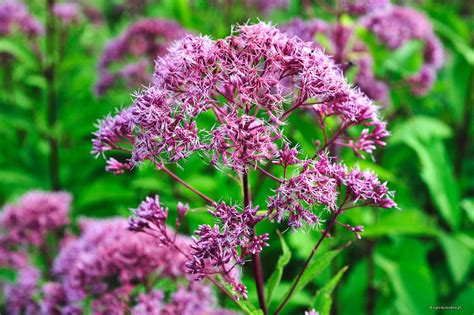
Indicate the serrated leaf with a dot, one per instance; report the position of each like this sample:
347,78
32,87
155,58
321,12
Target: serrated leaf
275,279
323,300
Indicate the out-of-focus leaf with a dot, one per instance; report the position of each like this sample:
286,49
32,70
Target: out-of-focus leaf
424,136
317,265
407,59
20,53
404,222
464,300
354,290
410,276
458,42
436,172
274,280
421,127
459,256
8,274
323,299
468,206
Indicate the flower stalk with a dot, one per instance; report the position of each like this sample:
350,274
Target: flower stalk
256,260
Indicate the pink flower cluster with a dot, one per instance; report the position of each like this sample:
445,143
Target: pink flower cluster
251,82
109,262
68,12
261,6
396,26
230,100
324,185
142,42
35,215
346,50
25,225
14,13
358,7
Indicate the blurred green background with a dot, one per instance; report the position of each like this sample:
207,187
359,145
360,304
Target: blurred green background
407,260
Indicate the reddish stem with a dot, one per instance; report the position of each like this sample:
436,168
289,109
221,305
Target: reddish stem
181,181
308,260
257,263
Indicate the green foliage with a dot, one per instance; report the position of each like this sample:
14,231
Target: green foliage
414,258
425,139
274,280
317,265
323,299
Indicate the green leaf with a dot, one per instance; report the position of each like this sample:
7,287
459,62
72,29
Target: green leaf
19,52
8,274
407,59
323,299
457,254
406,222
468,206
421,127
459,43
437,174
406,266
275,278
316,266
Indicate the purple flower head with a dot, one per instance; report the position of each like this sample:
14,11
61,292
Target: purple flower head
311,312
143,41
359,7
343,46
107,250
318,185
220,249
264,7
113,130
116,167
14,13
149,303
35,215
365,186
398,25
250,82
54,298
19,296
67,12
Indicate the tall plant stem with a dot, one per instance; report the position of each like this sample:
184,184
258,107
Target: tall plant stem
257,263
306,264
50,75
462,136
